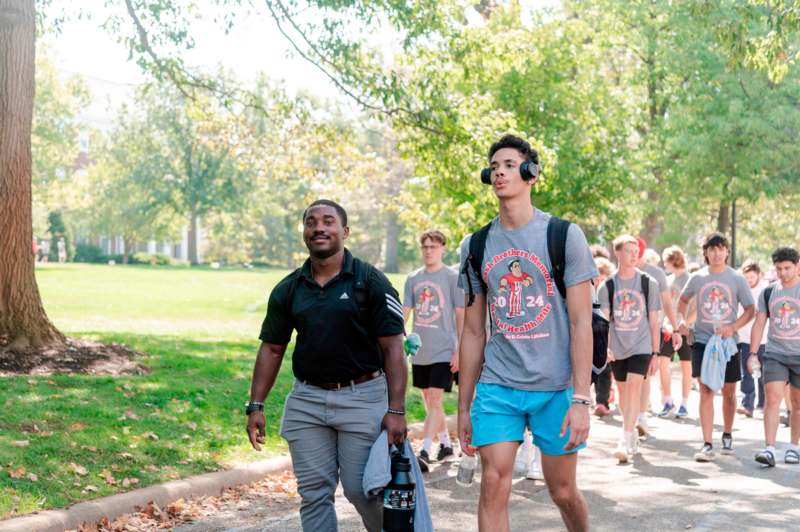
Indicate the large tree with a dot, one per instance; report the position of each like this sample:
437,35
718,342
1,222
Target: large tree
23,321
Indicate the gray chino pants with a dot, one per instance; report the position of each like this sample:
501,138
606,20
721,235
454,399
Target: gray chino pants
330,433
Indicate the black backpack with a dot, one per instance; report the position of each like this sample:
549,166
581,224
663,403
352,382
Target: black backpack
610,289
767,293
557,230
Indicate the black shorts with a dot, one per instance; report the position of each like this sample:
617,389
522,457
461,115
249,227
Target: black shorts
733,370
684,353
637,364
436,375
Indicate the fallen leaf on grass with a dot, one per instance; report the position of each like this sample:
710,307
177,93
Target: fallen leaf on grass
132,481
17,473
152,435
77,426
32,477
130,414
89,448
129,456
192,425
8,403
78,469
21,443
90,489
106,475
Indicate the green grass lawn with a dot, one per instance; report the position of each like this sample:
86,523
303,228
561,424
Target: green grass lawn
199,328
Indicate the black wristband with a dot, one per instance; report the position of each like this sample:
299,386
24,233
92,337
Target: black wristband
254,406
396,412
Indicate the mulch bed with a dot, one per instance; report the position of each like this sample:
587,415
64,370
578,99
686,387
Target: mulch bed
74,357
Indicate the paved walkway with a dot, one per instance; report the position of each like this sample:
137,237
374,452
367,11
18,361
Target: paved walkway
663,489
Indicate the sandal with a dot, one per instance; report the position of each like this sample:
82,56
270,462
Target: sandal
792,456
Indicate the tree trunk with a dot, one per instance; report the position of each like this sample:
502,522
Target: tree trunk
724,216
193,237
129,244
392,235
23,320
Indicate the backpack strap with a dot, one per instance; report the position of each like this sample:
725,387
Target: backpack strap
295,279
361,272
646,293
477,247
610,288
767,294
557,230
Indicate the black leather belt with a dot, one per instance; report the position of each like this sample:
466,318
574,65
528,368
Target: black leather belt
345,384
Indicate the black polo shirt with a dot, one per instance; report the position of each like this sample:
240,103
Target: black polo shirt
334,343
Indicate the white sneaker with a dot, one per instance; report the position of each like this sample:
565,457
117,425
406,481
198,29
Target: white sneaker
524,457
705,454
534,470
642,427
633,445
621,452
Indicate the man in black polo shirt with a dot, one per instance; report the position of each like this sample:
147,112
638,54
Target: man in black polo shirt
349,325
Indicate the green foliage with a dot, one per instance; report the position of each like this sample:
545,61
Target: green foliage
85,252
200,344
57,230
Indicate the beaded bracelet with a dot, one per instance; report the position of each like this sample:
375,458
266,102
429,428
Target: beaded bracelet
577,401
396,412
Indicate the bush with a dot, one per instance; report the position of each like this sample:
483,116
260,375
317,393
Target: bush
89,253
156,259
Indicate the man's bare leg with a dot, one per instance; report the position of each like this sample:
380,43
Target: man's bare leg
559,474
497,463
707,411
728,405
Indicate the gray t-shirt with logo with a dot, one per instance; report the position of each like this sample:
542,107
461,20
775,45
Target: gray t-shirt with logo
660,276
784,320
529,340
434,298
718,298
629,334
676,284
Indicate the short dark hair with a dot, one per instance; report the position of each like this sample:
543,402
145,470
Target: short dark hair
512,263
330,203
786,255
433,234
751,266
715,240
519,144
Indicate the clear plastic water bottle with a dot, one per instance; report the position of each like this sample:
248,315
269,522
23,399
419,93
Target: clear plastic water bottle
755,369
466,470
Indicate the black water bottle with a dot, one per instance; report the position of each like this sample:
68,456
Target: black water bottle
399,496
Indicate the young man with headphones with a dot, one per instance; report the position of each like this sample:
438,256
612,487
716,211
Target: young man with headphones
534,369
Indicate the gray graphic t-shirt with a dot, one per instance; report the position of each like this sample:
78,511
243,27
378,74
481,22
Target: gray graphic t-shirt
630,327
784,320
676,284
660,277
718,298
434,298
529,341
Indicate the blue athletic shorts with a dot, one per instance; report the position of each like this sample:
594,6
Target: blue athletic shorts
500,414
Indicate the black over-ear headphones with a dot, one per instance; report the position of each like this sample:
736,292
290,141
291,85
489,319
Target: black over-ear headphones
528,170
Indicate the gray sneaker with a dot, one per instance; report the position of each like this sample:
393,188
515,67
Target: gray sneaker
705,454
766,457
792,456
727,444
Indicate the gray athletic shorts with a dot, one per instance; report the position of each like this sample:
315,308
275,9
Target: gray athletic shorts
782,368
